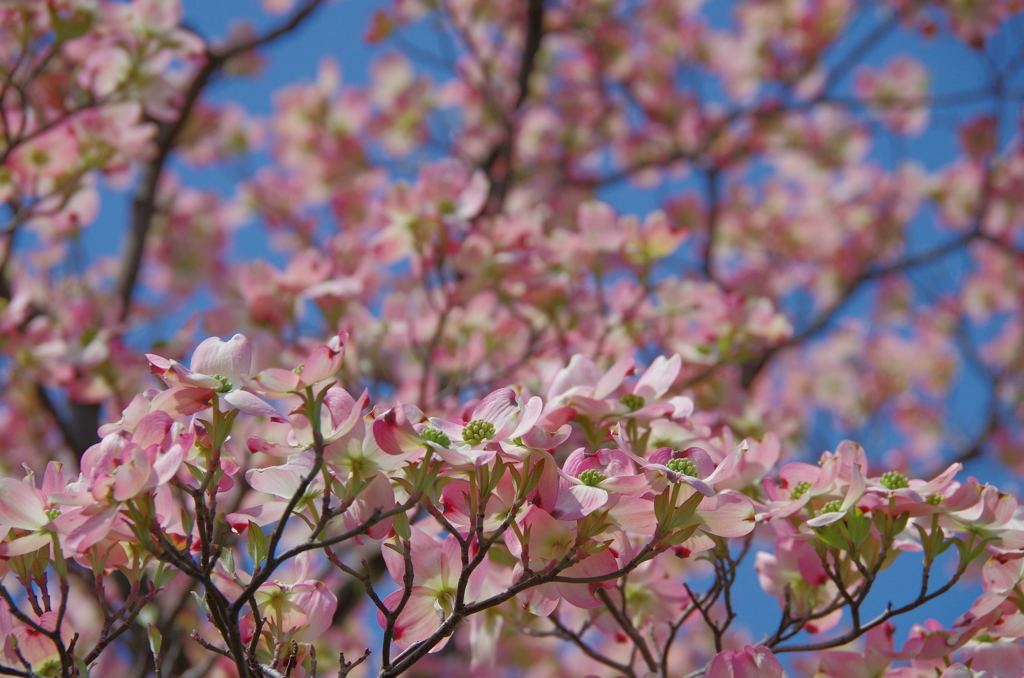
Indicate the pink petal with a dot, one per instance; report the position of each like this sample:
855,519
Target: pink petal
425,556
582,595
27,544
394,432
98,523
53,478
274,383
500,408
262,514
529,417
250,404
727,515
826,518
758,663
539,439
21,506
592,407
855,491
625,484
319,605
613,378
658,378
699,485
35,647
231,359
152,429
473,197
344,411
166,465
181,401
702,460
323,362
175,374
634,514
282,481
378,494
257,444
581,371
418,619
652,411
134,476
578,501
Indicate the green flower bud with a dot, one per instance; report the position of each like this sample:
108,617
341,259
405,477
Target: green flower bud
891,480
592,477
934,499
225,384
832,507
799,490
633,402
477,431
684,466
436,436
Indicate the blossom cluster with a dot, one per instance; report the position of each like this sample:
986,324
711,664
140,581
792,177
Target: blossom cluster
595,509
489,452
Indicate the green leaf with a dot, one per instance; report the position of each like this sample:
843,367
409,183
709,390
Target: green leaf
685,512
900,523
831,537
164,575
75,26
227,559
859,526
156,640
257,544
679,537
202,603
401,526
197,473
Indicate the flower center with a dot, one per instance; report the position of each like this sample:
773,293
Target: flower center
437,436
592,477
683,466
891,480
799,490
633,402
477,431
832,507
225,384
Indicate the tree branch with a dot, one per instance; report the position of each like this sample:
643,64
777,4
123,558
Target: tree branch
144,203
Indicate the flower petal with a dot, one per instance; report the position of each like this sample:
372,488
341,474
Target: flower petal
230,359
20,506
658,378
250,404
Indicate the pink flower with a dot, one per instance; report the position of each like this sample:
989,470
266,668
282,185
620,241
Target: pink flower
295,604
794,572
752,662
23,507
898,93
870,662
499,416
217,366
37,649
581,388
437,566
591,480
322,363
